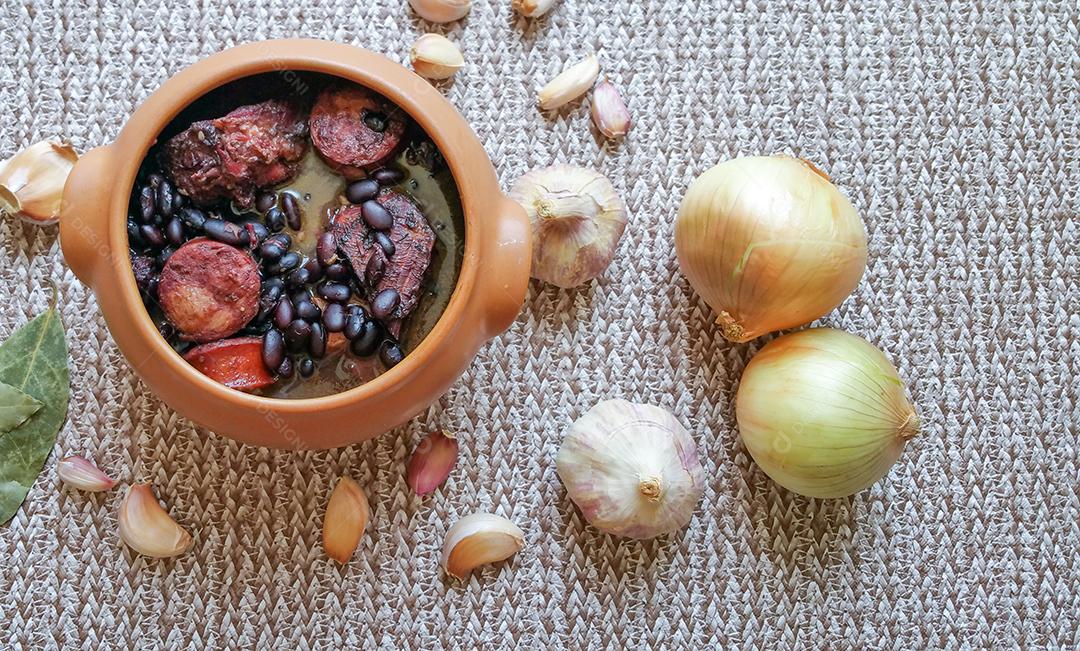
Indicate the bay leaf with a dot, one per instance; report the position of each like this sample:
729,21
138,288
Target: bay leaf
34,361
15,407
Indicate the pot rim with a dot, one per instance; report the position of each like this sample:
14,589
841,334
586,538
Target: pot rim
405,89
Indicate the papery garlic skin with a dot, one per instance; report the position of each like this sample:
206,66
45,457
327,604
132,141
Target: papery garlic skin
479,539
609,111
441,11
632,469
435,57
533,8
569,84
577,220
32,181
769,243
80,473
823,412
346,517
147,528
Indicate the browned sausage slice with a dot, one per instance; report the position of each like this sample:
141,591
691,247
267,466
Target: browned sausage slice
209,290
236,363
354,129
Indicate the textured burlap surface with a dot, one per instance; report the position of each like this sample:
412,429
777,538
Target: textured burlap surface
952,126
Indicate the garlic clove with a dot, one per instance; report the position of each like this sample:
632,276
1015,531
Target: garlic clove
577,221
569,84
32,181
432,462
533,8
434,56
346,518
608,110
80,473
147,528
441,11
632,469
479,539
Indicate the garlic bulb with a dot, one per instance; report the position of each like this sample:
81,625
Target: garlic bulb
823,412
479,539
769,243
32,181
533,8
569,84
434,56
147,528
577,220
441,11
632,469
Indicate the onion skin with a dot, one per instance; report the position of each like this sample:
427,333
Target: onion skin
769,243
823,412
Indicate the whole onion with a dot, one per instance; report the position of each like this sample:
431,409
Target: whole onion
769,243
823,412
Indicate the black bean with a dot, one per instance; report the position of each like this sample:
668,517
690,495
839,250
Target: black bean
174,231
390,353
265,201
258,230
308,310
273,349
300,296
284,313
298,332
165,199
147,204
333,317
274,286
307,367
375,121
152,235
275,219
356,308
388,176
226,232
298,277
288,262
337,271
193,218
376,216
271,250
286,369
335,292
362,190
354,325
376,267
314,269
385,303
294,214
367,340
134,238
317,342
154,179
284,238
385,243
164,255
326,249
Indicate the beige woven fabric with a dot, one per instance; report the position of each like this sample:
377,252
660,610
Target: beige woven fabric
953,128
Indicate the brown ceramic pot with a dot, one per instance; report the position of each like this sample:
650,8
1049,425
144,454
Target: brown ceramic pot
489,293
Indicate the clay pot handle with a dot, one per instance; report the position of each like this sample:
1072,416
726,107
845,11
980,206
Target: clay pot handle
504,276
84,236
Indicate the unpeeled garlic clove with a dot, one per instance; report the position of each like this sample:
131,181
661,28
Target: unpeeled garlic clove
432,462
479,539
609,111
346,518
81,473
147,528
533,8
32,181
569,84
434,56
441,11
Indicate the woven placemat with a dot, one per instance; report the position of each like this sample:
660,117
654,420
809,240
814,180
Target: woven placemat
953,127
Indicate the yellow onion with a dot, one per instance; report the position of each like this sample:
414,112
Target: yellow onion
769,243
823,412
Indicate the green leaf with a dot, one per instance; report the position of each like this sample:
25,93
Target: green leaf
15,407
34,361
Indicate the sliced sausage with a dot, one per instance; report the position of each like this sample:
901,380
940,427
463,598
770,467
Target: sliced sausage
209,290
413,242
236,363
355,129
235,156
